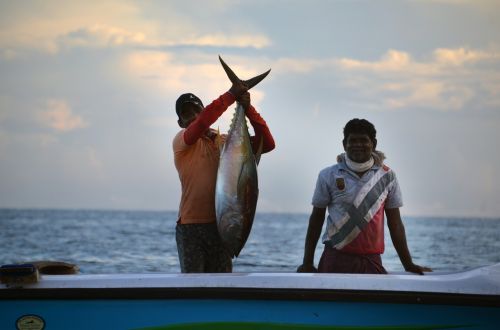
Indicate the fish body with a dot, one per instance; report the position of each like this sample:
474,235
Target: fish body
237,188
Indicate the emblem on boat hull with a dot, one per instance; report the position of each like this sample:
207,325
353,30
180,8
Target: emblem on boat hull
30,322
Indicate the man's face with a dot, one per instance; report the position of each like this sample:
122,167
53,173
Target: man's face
188,114
359,147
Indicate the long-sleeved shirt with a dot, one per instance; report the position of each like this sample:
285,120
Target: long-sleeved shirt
196,157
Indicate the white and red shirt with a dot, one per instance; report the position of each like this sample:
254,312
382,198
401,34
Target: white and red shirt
355,222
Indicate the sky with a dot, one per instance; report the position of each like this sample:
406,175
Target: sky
87,94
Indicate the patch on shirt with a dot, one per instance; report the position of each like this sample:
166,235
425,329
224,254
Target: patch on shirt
340,183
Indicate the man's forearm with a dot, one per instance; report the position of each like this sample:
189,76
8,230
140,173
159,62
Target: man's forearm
262,131
313,233
401,246
207,117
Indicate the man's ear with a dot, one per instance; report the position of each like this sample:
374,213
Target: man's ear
374,144
181,124
343,143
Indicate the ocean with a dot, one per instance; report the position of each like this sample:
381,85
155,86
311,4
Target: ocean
105,242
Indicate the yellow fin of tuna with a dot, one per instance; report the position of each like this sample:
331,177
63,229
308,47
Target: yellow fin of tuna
218,140
259,150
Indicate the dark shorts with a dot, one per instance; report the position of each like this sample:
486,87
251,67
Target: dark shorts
335,261
200,249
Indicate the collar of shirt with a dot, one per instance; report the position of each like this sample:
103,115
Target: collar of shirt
343,168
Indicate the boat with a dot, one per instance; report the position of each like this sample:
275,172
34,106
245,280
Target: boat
444,300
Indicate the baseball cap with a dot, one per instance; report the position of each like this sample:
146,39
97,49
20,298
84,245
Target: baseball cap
187,98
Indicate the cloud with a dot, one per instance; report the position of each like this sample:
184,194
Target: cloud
201,74
100,35
461,56
393,60
162,71
111,24
449,80
59,116
223,40
434,94
399,61
170,75
42,25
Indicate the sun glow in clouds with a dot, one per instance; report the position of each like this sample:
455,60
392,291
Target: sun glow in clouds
60,117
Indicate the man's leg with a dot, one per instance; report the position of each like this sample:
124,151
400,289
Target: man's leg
192,256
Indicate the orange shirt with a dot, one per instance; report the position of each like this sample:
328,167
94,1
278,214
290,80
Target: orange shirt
197,166
197,163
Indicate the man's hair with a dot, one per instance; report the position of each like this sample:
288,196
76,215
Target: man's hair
360,126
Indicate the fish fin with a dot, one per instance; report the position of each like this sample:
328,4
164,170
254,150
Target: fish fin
259,150
234,78
218,139
230,73
257,79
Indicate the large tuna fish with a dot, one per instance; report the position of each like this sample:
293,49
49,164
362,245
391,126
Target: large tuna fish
237,187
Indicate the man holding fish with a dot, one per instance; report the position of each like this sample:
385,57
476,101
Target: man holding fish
197,152
357,191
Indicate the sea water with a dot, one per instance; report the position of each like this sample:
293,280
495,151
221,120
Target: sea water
101,241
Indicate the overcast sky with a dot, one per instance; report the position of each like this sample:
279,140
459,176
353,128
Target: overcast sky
87,93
